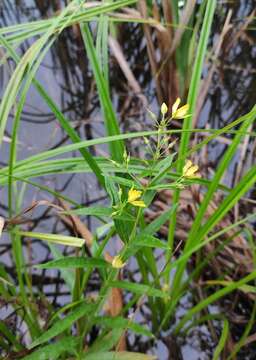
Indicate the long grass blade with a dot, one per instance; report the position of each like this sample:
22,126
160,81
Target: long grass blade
192,96
111,123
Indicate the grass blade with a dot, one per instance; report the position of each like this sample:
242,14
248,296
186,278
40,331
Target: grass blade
74,263
141,289
111,123
54,238
192,96
63,325
214,297
222,341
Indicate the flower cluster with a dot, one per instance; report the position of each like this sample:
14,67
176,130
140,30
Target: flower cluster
177,113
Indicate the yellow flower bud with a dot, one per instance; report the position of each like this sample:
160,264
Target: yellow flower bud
164,109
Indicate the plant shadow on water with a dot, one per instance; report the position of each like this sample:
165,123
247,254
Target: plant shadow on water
67,76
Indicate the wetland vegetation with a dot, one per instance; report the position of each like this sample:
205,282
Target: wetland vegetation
127,180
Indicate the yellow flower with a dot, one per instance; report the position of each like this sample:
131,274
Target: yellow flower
164,109
179,113
189,170
117,262
133,198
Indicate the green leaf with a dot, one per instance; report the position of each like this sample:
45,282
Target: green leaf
54,238
63,324
120,355
100,211
68,276
74,262
199,231
107,342
222,341
155,225
20,32
71,133
162,168
125,182
197,71
6,282
141,289
244,288
123,228
237,192
118,322
111,122
242,341
192,98
150,241
45,155
214,297
53,351
6,332
92,210
111,190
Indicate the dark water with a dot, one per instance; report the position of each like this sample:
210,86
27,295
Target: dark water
66,75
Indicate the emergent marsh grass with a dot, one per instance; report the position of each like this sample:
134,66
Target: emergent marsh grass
170,265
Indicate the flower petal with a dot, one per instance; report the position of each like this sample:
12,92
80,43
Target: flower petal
175,106
139,203
186,167
191,171
181,112
133,195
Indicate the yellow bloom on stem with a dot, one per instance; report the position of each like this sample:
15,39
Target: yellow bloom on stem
133,198
179,113
189,170
117,262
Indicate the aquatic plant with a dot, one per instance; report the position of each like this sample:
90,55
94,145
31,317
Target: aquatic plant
132,184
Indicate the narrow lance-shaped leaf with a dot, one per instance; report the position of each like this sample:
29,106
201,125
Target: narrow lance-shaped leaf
120,355
103,140
120,322
74,263
111,123
138,288
63,324
68,276
57,239
53,351
150,241
20,32
187,124
222,342
214,297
